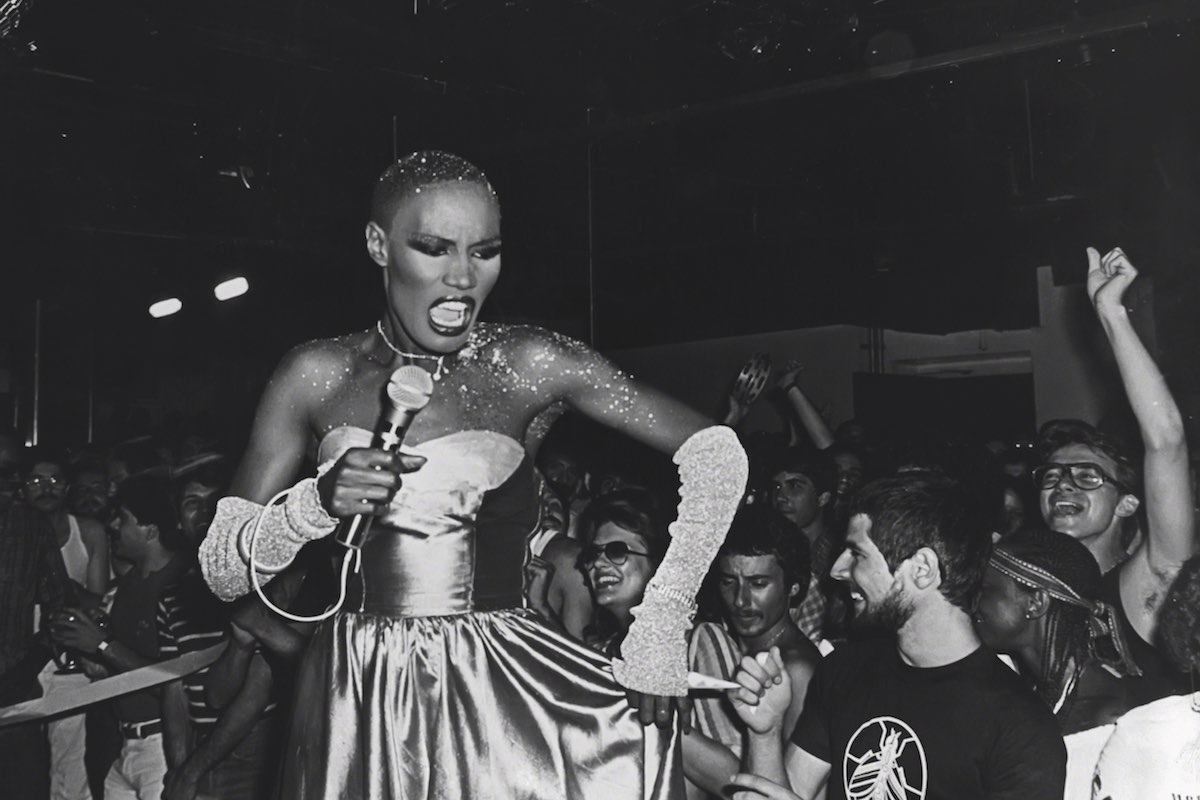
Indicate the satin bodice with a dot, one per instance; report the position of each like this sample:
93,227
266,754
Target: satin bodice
454,538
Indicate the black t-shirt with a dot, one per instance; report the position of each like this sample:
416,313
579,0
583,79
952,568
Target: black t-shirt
967,730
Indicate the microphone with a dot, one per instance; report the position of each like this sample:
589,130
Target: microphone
408,391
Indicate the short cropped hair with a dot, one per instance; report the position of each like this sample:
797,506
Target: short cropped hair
150,499
758,530
1059,433
415,172
928,509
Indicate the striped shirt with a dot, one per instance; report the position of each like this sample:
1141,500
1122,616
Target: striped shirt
713,652
191,618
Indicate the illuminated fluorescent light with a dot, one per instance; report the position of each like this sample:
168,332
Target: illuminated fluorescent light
234,287
165,308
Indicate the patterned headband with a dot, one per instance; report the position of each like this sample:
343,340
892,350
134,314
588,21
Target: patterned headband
1103,627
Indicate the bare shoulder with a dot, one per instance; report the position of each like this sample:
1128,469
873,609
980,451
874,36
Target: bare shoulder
338,353
320,367
801,658
524,345
540,366
562,552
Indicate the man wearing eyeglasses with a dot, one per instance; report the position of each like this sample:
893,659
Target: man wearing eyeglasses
1089,485
83,542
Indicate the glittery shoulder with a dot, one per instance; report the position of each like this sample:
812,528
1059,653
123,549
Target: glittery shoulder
517,342
340,351
319,367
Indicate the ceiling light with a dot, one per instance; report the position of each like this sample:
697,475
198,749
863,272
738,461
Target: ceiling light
165,308
234,287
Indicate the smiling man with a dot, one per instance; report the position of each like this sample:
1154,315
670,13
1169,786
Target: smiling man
926,712
1089,486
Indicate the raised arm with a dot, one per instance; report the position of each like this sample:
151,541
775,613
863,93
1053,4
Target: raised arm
806,413
1170,538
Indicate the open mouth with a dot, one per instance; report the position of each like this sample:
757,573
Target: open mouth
451,316
606,581
1065,508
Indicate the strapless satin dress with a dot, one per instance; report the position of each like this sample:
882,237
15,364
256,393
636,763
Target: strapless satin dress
436,682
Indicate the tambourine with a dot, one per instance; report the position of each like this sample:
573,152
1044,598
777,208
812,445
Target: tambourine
751,381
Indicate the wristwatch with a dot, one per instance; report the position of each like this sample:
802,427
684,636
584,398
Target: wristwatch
103,646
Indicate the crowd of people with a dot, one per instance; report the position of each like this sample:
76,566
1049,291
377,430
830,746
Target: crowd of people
542,603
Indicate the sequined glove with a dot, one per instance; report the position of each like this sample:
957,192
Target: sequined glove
285,528
712,472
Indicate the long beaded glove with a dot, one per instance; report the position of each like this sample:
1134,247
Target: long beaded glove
285,528
712,472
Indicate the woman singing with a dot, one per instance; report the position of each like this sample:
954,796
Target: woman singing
434,680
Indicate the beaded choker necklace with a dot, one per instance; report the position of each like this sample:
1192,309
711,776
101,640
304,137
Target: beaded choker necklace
441,360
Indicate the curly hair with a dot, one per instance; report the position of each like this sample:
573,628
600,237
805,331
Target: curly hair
151,500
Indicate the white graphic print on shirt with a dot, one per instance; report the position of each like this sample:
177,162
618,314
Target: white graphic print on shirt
884,760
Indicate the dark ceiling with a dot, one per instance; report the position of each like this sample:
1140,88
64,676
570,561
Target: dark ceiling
670,170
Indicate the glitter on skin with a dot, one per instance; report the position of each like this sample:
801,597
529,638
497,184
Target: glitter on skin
502,379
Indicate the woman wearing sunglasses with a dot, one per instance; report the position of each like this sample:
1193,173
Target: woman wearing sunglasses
624,541
1088,485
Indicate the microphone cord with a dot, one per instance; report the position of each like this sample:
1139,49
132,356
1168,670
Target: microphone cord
352,555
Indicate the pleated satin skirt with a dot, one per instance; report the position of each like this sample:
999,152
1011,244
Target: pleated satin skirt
488,704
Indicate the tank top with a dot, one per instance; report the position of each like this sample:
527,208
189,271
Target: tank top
1159,678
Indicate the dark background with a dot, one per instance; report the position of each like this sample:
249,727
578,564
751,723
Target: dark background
670,171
